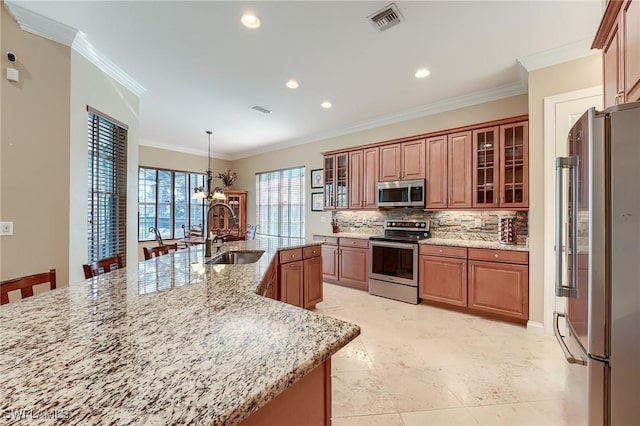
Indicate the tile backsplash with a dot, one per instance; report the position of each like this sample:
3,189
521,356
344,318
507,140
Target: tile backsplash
462,225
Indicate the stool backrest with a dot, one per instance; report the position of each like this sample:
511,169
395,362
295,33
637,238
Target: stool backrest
25,285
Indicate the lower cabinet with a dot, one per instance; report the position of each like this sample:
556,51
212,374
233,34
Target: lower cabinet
484,280
300,276
499,282
345,261
443,274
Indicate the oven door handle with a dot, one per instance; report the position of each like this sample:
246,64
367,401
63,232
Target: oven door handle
408,246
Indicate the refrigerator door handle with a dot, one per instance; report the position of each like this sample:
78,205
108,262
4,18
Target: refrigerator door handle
572,250
565,349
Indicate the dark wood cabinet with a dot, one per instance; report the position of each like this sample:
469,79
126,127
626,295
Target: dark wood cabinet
443,275
402,161
500,286
619,38
500,176
336,175
345,261
363,178
449,171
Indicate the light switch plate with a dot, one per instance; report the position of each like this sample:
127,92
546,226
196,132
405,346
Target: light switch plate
6,228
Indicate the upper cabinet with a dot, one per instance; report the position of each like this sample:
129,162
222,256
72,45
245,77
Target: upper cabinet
448,171
482,166
336,176
402,161
363,178
619,38
501,166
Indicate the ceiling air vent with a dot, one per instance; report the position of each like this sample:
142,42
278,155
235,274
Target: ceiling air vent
386,18
261,109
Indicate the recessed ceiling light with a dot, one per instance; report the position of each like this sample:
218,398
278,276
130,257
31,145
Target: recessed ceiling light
292,84
250,20
326,104
422,73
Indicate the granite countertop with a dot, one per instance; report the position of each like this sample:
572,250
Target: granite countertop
357,235
495,245
167,341
441,241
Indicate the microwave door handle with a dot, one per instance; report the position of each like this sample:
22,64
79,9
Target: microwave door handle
561,164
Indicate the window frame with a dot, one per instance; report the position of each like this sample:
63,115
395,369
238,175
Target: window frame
280,209
172,203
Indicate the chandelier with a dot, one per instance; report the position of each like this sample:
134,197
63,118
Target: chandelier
200,193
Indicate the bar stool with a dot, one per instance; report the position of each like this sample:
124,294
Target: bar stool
102,266
25,285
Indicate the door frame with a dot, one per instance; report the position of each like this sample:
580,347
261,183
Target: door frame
550,103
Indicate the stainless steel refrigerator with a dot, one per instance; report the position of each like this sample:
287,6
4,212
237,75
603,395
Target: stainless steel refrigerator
598,266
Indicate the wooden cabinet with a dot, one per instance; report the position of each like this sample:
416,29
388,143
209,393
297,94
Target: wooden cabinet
300,276
312,291
363,178
402,161
221,219
501,286
500,176
448,171
291,276
336,175
443,274
619,38
345,261
269,286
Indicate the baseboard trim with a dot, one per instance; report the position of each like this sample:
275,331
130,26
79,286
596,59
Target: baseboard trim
535,327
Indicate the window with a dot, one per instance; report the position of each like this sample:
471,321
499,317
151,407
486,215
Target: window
280,202
165,203
107,187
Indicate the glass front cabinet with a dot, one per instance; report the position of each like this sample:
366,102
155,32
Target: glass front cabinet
501,166
336,181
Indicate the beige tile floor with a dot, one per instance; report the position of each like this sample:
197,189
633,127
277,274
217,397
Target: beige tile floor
421,365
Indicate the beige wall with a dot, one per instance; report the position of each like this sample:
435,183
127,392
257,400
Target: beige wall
165,159
310,155
34,155
91,87
566,77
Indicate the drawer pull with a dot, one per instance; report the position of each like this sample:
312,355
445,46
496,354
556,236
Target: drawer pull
353,242
313,251
495,255
293,255
441,251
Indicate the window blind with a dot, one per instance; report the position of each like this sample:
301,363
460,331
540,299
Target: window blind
280,202
107,188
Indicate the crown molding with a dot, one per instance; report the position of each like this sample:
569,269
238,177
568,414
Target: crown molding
106,65
568,52
154,144
471,99
42,26
50,29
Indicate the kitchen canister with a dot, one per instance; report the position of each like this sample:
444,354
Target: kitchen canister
507,230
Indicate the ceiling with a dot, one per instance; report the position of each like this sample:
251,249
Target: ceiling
200,69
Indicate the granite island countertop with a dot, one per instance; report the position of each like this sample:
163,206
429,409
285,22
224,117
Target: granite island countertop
167,341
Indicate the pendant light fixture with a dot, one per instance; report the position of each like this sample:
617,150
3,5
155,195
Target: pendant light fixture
199,192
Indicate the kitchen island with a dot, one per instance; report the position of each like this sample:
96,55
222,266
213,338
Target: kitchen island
167,341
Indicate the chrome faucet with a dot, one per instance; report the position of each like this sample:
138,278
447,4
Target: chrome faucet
209,221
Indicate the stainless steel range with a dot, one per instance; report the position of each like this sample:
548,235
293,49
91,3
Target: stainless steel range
394,260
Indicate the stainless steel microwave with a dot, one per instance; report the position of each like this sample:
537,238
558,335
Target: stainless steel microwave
401,193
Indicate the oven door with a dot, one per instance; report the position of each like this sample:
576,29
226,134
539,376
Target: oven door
394,262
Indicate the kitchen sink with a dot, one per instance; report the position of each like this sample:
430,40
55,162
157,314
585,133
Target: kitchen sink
238,257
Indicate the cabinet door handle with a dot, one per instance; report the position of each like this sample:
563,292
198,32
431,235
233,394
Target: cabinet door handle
441,251
496,256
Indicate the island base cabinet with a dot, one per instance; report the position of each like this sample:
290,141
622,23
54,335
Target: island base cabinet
312,282
443,280
306,402
291,283
499,288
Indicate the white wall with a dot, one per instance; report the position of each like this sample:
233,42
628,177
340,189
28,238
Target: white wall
91,87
